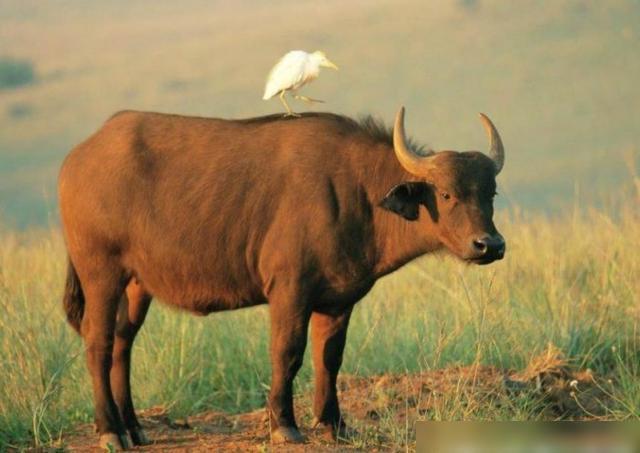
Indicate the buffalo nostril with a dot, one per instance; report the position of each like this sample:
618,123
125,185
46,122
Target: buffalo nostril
480,245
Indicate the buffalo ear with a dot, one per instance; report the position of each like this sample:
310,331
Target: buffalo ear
404,199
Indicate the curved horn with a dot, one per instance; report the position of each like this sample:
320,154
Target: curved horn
408,159
496,153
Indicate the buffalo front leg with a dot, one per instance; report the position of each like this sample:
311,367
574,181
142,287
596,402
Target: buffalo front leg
289,324
131,314
328,337
102,286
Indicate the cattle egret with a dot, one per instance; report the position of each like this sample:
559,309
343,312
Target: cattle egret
294,70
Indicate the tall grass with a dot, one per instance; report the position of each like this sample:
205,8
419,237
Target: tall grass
572,281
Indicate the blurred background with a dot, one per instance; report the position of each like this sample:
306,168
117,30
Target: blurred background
559,78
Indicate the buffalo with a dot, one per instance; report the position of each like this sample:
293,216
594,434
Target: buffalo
301,213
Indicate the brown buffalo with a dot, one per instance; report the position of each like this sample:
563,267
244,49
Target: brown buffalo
304,214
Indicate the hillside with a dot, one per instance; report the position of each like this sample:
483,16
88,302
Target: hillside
558,78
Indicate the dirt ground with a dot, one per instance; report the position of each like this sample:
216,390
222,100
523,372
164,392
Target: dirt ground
375,405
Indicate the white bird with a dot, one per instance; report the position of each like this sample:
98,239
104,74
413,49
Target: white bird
294,70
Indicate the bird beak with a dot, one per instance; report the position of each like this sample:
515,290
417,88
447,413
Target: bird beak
330,64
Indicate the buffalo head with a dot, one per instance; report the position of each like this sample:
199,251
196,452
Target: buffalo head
457,190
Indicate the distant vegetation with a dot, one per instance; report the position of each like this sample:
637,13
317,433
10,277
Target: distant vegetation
20,110
571,282
470,5
15,72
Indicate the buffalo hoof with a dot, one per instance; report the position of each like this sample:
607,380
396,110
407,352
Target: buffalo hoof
111,441
332,433
138,437
286,434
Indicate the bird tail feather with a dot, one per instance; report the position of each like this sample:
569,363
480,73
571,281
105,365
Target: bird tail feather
268,94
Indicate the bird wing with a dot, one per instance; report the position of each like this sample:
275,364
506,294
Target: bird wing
288,73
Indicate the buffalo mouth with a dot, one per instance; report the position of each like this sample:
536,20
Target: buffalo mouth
481,261
485,259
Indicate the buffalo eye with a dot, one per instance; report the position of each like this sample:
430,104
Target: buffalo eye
445,195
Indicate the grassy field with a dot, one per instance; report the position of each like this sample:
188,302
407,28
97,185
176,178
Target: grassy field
569,281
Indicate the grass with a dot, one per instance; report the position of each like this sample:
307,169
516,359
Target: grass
570,281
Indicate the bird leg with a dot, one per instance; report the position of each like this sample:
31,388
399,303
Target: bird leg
286,106
308,100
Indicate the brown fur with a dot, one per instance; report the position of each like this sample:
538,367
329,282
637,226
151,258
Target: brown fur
209,214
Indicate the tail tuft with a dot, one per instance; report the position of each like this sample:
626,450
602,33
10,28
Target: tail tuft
73,300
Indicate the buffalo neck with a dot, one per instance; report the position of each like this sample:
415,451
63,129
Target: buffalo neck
397,240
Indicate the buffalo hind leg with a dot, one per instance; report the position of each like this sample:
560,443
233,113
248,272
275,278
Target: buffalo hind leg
102,285
131,314
289,324
328,337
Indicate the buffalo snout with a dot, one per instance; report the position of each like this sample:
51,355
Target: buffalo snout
488,248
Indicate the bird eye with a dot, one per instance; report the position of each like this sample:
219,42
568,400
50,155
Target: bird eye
445,195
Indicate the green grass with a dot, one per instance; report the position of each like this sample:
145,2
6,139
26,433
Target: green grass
571,280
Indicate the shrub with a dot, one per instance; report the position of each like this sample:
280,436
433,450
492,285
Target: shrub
15,73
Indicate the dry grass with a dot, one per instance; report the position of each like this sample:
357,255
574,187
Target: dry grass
569,281
383,408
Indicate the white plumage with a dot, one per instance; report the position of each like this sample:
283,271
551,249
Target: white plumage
294,70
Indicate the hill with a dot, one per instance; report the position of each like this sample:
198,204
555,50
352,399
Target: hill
559,79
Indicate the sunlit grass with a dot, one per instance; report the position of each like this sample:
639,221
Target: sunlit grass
571,281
